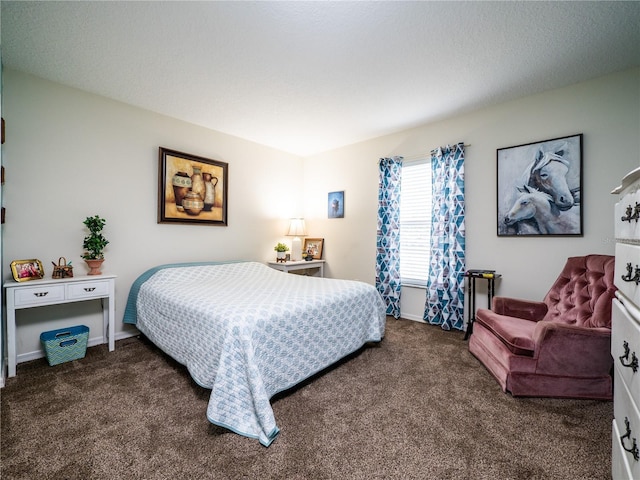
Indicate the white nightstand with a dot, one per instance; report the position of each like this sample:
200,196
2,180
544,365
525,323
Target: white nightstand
38,293
300,265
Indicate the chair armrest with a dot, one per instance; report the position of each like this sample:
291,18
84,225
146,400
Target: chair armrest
515,307
563,349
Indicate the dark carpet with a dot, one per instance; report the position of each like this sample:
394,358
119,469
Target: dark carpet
416,406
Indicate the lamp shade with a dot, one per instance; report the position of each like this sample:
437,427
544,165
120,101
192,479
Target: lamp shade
297,228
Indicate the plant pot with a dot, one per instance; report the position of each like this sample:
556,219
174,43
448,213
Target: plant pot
281,256
94,266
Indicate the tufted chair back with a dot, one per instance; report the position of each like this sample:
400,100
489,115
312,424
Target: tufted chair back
583,292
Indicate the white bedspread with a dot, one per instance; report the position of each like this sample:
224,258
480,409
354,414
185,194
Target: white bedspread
247,332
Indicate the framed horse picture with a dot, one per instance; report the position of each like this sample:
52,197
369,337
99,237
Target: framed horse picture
540,188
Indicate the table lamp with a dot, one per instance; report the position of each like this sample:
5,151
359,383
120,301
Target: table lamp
296,230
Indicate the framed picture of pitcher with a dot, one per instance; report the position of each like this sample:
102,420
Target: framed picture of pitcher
540,188
191,189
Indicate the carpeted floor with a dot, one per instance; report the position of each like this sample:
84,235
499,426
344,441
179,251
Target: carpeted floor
416,406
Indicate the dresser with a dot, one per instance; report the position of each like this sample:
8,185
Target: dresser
38,293
625,331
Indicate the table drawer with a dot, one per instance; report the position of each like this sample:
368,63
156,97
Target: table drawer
80,290
43,295
625,345
625,411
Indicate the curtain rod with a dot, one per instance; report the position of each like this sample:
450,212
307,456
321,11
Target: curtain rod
427,154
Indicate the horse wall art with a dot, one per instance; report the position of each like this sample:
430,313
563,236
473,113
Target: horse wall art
538,208
553,168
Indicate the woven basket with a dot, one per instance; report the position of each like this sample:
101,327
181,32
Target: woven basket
62,270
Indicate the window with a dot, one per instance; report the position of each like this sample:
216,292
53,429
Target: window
415,222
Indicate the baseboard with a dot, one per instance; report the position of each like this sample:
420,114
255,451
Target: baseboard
123,335
415,318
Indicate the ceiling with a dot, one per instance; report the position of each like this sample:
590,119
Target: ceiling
307,77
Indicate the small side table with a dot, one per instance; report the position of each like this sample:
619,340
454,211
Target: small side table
38,293
472,275
299,265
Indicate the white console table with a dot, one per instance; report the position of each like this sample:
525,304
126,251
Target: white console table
299,265
38,293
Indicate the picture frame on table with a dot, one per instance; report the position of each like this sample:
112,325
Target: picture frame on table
313,247
25,270
539,188
192,189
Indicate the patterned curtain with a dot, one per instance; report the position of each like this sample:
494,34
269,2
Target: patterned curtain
445,285
388,234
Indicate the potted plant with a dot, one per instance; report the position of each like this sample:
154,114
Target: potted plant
281,250
94,244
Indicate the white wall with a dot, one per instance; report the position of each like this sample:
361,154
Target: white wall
605,110
71,154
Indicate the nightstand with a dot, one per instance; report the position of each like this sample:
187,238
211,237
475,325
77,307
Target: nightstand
300,265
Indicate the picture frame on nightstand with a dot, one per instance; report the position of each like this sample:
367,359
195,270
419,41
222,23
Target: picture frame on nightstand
313,246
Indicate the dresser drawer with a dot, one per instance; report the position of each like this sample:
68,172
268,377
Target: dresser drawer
42,295
626,263
620,468
627,210
80,290
625,410
627,229
625,345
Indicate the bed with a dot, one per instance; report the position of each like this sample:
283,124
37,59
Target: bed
247,331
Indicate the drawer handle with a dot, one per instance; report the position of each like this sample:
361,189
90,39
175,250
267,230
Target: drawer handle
634,448
631,213
634,360
89,289
40,294
632,276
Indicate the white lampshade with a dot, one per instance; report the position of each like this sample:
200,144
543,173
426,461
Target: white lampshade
297,229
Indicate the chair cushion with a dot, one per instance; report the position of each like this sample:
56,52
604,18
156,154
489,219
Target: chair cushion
515,333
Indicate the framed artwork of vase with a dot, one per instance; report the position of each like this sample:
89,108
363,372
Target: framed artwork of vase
191,189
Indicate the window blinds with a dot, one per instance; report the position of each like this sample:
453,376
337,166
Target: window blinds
415,222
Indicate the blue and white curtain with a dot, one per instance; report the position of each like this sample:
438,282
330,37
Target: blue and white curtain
445,285
388,234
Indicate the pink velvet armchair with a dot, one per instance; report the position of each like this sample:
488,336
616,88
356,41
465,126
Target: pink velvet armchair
559,347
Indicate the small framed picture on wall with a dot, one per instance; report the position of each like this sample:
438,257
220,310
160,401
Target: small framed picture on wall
335,205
